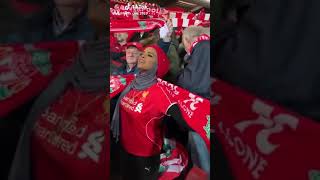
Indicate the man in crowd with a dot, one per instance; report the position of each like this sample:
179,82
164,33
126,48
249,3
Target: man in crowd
133,52
121,38
119,41
195,76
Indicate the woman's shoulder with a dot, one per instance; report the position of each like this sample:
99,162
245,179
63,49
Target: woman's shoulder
163,86
155,89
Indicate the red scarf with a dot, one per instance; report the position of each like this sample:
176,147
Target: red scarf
25,70
262,140
133,26
203,37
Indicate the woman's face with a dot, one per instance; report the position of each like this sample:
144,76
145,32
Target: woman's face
148,59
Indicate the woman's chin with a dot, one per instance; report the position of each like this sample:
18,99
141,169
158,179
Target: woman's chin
142,69
140,66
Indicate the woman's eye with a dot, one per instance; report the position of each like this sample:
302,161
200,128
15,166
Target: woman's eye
150,55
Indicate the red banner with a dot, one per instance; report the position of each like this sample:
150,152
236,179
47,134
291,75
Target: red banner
262,140
131,9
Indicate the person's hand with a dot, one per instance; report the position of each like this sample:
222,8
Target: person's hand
170,26
166,31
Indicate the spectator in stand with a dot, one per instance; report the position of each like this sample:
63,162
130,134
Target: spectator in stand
121,38
175,61
117,51
195,76
119,45
161,37
133,52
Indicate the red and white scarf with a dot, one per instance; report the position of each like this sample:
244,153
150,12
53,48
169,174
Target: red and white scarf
133,26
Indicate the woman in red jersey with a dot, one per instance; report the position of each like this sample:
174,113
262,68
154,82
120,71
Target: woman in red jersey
139,113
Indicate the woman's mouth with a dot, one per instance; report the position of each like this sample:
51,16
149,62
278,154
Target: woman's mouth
141,61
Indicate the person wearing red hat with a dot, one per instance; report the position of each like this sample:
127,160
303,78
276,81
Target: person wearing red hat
138,117
119,44
133,51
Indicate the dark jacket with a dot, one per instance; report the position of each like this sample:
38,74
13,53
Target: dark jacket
195,77
164,45
175,64
274,54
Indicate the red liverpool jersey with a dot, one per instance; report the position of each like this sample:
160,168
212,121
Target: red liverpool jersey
141,114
